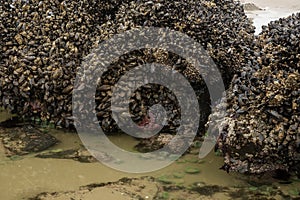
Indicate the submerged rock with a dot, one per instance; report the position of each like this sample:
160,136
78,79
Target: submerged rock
81,155
25,140
154,143
164,188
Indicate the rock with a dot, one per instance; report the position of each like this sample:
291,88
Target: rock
261,132
192,170
221,42
44,44
251,7
154,143
25,140
81,155
151,188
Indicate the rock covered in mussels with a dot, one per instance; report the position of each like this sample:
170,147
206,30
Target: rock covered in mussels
44,43
261,132
229,45
213,24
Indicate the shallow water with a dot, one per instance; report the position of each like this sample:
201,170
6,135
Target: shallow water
27,176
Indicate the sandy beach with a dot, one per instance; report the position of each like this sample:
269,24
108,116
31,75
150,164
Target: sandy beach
288,4
271,10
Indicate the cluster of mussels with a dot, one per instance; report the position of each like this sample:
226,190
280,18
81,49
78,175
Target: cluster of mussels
262,129
44,43
213,24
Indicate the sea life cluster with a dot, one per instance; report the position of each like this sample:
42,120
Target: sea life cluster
262,132
228,45
42,44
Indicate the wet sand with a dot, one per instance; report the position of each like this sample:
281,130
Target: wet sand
273,4
272,10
